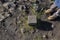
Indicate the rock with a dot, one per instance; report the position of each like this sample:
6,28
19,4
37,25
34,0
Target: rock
32,0
22,30
50,34
19,22
3,1
52,39
6,5
32,19
22,7
44,36
7,15
11,0
32,31
1,17
6,30
9,5
11,10
52,25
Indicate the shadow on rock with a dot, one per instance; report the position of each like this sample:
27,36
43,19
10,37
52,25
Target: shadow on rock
56,19
43,25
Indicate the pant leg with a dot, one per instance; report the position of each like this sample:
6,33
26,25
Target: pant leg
57,13
53,6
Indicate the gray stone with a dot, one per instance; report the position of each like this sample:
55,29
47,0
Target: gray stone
32,19
6,5
1,17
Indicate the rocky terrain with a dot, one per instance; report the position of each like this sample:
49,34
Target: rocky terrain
14,21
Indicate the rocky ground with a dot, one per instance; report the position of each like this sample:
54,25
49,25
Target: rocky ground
14,17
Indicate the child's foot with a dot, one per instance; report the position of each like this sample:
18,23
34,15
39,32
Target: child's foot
48,11
51,17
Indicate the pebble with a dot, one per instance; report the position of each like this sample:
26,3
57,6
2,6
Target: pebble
6,30
52,25
6,5
44,36
22,30
1,17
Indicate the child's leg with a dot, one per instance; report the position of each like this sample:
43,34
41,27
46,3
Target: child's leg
57,13
53,6
54,15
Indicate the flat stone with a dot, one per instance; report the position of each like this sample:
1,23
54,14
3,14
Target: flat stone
32,19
